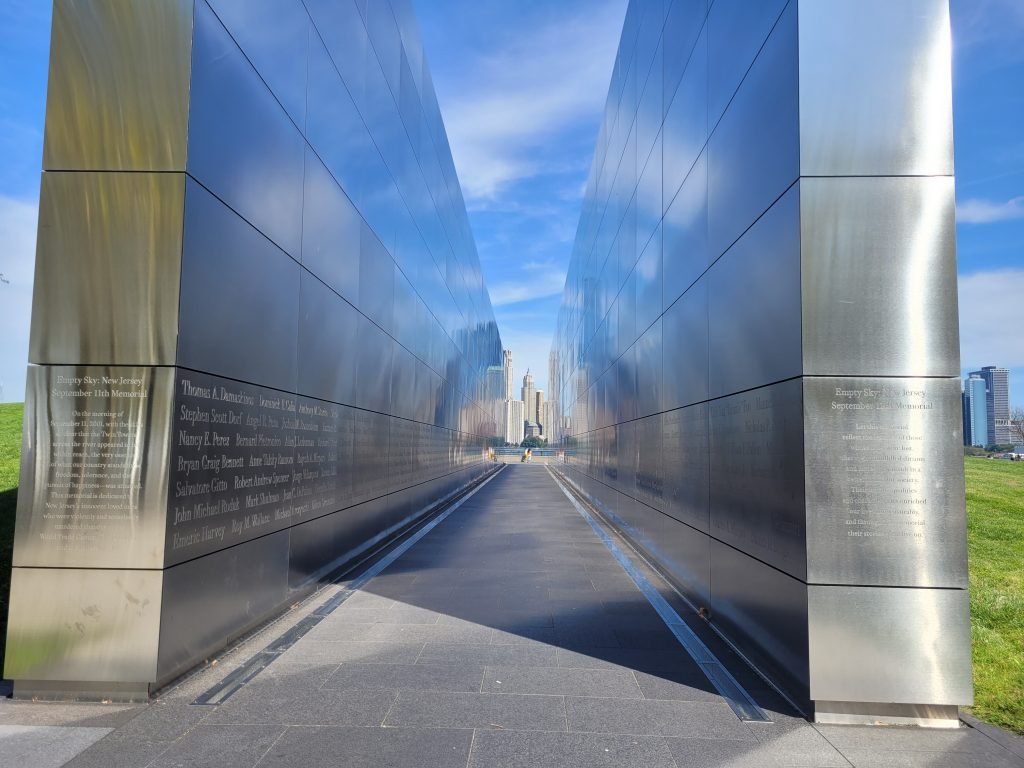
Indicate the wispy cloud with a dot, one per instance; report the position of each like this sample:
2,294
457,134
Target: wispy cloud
987,212
540,82
17,264
986,339
540,282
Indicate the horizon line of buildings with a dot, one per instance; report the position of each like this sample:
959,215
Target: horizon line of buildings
514,419
986,408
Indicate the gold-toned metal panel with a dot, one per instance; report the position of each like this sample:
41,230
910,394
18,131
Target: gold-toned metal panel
94,468
88,625
119,85
108,269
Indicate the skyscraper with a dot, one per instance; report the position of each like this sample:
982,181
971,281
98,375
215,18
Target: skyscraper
975,412
506,364
997,403
529,397
514,421
538,408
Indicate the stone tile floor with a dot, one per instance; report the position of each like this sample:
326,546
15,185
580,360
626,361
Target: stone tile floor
507,637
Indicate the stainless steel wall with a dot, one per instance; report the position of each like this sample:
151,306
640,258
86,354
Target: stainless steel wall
260,329
758,350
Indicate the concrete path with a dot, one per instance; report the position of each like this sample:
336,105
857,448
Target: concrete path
507,637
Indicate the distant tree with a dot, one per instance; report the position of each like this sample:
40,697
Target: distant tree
533,442
1017,425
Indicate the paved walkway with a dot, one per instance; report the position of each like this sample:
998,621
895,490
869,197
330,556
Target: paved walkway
508,636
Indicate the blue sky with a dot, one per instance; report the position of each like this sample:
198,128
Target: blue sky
522,85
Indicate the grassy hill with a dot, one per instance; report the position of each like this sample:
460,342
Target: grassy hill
995,540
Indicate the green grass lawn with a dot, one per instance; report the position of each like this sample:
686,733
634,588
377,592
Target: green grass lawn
10,458
995,521
995,525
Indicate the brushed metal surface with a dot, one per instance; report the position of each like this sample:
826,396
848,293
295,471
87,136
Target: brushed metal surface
648,363
237,283
754,152
108,263
875,88
223,595
910,646
94,625
878,273
884,480
757,475
234,119
119,85
95,463
754,304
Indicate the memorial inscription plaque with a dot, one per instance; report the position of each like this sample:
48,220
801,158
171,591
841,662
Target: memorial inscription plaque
93,477
885,501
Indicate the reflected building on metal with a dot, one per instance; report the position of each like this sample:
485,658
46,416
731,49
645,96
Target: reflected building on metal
260,331
757,352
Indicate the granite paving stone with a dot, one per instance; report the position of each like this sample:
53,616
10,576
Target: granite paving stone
562,682
519,749
223,746
444,709
370,748
415,676
45,746
655,718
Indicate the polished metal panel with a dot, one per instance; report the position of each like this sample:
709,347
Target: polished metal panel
119,85
765,612
885,494
233,119
685,131
908,646
875,88
754,153
106,286
686,253
94,625
94,469
331,229
648,371
879,276
757,475
240,286
685,349
754,304
328,343
737,30
280,58
686,463
223,596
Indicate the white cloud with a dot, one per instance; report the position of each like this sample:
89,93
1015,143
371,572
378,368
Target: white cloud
986,211
511,102
988,336
540,283
17,264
